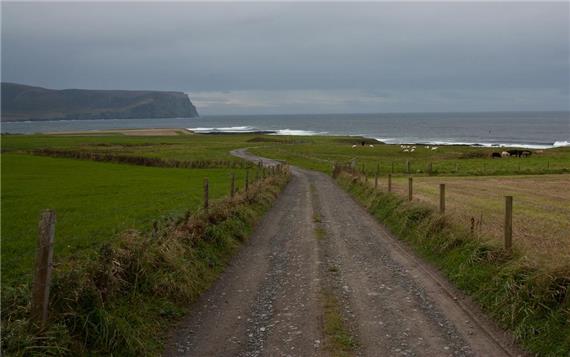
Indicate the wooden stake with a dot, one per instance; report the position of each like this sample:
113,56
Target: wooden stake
410,188
376,176
508,223
442,198
43,268
246,180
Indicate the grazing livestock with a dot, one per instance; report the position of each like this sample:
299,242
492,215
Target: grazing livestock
353,146
371,145
434,148
406,150
427,146
413,149
496,154
505,154
519,153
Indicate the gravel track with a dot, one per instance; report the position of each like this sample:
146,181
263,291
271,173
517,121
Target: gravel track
268,301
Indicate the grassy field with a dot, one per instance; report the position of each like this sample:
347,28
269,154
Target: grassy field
116,288
96,202
93,201
182,147
320,153
541,224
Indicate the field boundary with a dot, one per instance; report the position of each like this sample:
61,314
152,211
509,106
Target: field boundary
119,299
141,160
533,303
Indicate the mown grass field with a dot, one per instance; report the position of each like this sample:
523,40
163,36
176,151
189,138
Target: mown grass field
94,202
541,210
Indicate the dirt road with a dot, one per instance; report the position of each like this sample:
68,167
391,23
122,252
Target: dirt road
319,277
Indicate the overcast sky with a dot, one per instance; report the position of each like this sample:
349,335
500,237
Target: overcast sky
246,58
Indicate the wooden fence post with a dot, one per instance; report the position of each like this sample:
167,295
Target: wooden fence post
442,198
508,223
410,188
429,168
43,267
246,180
389,182
206,201
233,185
376,176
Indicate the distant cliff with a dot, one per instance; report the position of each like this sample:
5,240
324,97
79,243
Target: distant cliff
21,102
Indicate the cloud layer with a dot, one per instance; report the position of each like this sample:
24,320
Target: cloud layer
300,57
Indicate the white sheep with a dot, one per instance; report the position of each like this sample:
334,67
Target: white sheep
371,145
427,146
406,150
353,146
412,150
434,148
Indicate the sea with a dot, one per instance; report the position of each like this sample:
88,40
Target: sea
538,130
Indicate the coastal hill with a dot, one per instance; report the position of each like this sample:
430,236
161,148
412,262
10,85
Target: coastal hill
22,102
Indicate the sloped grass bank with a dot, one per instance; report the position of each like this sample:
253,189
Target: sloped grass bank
122,299
530,301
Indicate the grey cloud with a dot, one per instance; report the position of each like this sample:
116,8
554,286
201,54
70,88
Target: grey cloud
390,48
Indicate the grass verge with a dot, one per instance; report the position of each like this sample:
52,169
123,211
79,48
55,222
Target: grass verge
119,300
531,301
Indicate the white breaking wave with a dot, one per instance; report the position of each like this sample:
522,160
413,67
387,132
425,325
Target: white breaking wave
406,141
298,132
230,129
560,144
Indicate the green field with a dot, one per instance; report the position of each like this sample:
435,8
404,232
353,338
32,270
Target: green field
96,202
183,147
320,153
93,201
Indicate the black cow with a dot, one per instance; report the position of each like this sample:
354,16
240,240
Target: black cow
496,154
519,153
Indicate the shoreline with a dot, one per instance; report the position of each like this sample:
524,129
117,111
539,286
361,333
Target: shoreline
243,130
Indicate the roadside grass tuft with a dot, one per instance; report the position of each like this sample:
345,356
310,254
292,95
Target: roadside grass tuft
119,299
531,301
